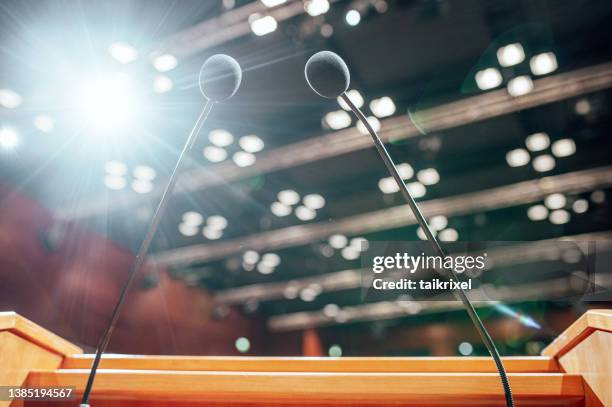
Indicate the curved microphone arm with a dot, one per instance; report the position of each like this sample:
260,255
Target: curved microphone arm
486,338
144,248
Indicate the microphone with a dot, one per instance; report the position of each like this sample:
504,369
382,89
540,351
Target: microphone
328,76
219,80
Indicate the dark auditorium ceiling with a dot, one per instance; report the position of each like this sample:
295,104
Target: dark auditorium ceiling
420,53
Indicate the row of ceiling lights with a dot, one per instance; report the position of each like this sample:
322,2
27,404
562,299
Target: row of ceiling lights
556,207
289,202
116,177
512,55
222,140
537,143
341,119
212,227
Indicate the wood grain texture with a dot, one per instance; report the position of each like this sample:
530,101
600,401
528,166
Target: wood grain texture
18,357
18,325
309,388
590,321
592,358
540,364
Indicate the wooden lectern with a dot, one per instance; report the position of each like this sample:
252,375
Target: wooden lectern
574,370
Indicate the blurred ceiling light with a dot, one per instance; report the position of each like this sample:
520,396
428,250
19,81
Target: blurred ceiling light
416,189
214,154
563,148
314,201
250,257
511,54
123,52
242,344
8,138
488,78
331,310
352,17
338,241
448,235
519,86
216,222
115,182
273,3
466,348
544,163
10,99
186,229
303,213
212,233
537,141
243,159
421,234
537,212
193,218
517,157
265,269
388,185
555,201
327,30
544,63
308,294
580,205
115,168
316,7
438,222
381,6
374,122
598,196
44,123
262,25
220,137
142,186
428,176
382,107
271,259
291,291
355,97
107,102
350,253
583,107
280,209
144,172
165,62
405,171
559,217
337,120
288,197
162,84
251,143
360,243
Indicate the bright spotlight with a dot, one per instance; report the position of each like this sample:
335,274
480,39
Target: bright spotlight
262,25
123,52
352,17
8,138
106,103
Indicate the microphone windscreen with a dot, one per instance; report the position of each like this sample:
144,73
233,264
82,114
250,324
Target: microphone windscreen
220,77
327,74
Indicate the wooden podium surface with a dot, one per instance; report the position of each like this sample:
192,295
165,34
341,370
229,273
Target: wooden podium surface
573,371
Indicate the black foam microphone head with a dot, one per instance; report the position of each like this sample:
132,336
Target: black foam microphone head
327,74
220,77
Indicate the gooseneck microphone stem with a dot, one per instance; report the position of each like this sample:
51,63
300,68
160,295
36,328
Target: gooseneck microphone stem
144,248
486,338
